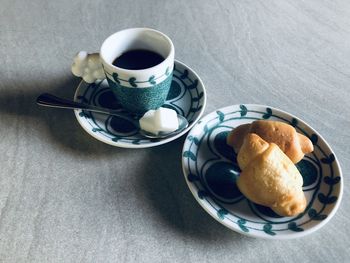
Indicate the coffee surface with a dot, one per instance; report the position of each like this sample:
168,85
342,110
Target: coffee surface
138,59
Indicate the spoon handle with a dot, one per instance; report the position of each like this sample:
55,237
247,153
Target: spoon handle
50,100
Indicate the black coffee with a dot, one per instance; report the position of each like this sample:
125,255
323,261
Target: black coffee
138,59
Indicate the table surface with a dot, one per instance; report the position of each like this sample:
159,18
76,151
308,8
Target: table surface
66,197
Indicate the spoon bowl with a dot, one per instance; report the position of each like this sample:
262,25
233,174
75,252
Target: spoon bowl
183,124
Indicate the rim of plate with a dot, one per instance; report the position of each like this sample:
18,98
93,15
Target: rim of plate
152,144
213,214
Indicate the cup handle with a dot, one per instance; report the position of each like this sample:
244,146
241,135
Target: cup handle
88,66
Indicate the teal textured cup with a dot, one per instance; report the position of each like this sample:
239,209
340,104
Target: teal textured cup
140,100
142,89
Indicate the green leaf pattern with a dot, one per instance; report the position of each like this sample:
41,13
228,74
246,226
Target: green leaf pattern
268,113
331,181
136,141
326,199
202,194
132,82
314,139
244,110
184,74
329,159
151,80
293,226
221,213
312,213
193,139
268,229
167,71
241,223
84,114
189,154
96,129
192,177
193,85
294,122
115,77
221,116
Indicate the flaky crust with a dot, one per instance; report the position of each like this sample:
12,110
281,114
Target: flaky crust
269,177
292,143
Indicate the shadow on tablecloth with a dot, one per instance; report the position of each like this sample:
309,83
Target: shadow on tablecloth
163,184
56,126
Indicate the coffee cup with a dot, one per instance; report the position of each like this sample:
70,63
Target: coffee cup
138,65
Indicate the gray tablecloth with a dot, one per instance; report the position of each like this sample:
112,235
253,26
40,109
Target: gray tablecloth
66,197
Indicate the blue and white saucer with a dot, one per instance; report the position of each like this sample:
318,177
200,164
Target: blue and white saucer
211,170
187,97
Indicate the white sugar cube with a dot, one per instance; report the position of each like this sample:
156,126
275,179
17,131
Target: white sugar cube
147,122
160,120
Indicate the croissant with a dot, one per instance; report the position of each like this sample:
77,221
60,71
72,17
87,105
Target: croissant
292,143
269,177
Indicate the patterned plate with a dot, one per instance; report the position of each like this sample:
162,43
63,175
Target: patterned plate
210,169
187,97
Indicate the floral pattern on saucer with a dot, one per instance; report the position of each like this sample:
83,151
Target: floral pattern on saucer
211,170
187,97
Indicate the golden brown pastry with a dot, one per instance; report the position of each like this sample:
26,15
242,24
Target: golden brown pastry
269,177
292,143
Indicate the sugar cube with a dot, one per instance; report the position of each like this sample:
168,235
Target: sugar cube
159,120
